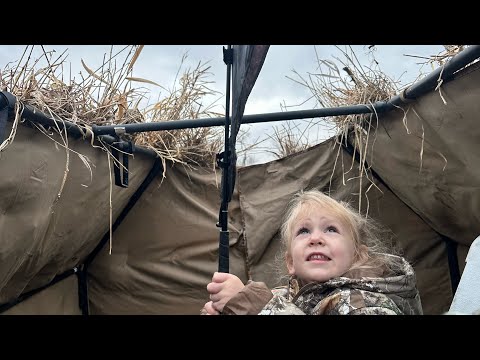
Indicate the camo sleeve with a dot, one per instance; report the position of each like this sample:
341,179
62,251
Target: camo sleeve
280,305
249,301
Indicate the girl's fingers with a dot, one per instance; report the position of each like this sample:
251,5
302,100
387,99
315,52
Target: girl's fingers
210,309
213,287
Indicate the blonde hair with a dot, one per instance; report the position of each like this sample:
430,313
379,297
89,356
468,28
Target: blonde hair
372,243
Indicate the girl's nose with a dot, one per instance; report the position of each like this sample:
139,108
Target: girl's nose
316,238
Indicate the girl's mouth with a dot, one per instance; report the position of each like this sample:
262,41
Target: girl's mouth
318,257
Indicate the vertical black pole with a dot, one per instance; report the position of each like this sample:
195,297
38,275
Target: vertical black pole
223,248
453,265
83,290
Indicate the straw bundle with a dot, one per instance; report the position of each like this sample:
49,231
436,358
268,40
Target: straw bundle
196,146
107,95
348,82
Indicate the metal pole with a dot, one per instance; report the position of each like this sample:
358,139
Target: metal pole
423,86
223,248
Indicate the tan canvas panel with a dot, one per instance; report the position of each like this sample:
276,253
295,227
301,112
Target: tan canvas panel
58,299
430,159
165,252
42,234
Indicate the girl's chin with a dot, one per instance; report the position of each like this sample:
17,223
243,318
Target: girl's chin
318,278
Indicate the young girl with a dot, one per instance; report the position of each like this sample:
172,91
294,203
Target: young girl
336,266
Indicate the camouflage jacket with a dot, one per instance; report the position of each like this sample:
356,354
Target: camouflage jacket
394,295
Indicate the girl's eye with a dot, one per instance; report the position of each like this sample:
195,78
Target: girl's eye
332,229
303,230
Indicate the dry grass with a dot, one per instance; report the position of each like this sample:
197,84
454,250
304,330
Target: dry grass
347,82
99,97
196,146
449,52
344,82
110,94
441,58
433,62
288,139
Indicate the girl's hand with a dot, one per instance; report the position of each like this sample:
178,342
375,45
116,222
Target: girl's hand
209,310
222,288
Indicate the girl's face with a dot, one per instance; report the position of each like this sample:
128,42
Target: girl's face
321,248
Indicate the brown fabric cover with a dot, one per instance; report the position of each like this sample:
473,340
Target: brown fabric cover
42,236
442,188
166,250
58,299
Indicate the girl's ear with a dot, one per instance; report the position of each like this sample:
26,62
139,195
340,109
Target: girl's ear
289,262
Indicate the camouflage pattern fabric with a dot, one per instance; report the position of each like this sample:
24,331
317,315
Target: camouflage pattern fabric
394,295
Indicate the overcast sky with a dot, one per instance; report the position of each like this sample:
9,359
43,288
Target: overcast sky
160,63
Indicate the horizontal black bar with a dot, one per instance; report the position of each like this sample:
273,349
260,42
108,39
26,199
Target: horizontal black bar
423,86
247,119
155,126
7,99
34,115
